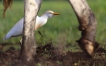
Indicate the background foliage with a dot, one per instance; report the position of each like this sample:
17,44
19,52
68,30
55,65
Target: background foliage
60,29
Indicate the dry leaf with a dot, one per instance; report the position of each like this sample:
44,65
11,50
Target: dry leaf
6,4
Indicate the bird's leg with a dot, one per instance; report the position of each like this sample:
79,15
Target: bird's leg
41,36
20,42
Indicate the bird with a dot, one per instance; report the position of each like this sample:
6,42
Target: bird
17,29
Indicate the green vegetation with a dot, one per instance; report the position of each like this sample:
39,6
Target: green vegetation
60,29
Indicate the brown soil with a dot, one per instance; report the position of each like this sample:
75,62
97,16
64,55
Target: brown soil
50,56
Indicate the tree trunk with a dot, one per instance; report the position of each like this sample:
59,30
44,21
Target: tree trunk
28,48
87,26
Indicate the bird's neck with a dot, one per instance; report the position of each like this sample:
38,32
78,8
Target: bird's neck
43,19
45,16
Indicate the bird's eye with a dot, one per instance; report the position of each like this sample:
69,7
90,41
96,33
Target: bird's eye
50,13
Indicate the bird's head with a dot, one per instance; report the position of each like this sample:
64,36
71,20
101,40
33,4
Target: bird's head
50,13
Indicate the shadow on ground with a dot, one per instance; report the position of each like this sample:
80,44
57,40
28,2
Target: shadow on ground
50,56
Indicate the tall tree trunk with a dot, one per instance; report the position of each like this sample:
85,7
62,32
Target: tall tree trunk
28,48
87,26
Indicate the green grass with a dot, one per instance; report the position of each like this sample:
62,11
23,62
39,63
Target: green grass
60,29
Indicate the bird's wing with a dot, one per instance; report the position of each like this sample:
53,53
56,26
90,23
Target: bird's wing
16,30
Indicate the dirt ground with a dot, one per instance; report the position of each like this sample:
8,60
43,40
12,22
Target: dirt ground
50,56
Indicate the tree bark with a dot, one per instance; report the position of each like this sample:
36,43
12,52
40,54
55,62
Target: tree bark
28,48
87,26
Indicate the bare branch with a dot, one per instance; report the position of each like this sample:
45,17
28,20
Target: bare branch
28,48
87,26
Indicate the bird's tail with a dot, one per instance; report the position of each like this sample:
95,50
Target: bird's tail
6,37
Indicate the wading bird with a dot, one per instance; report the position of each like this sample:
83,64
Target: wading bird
17,29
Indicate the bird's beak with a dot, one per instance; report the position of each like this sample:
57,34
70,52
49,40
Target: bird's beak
55,13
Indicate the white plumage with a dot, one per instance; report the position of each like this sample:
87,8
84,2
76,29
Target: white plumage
18,27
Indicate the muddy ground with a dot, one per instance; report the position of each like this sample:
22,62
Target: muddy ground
48,55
